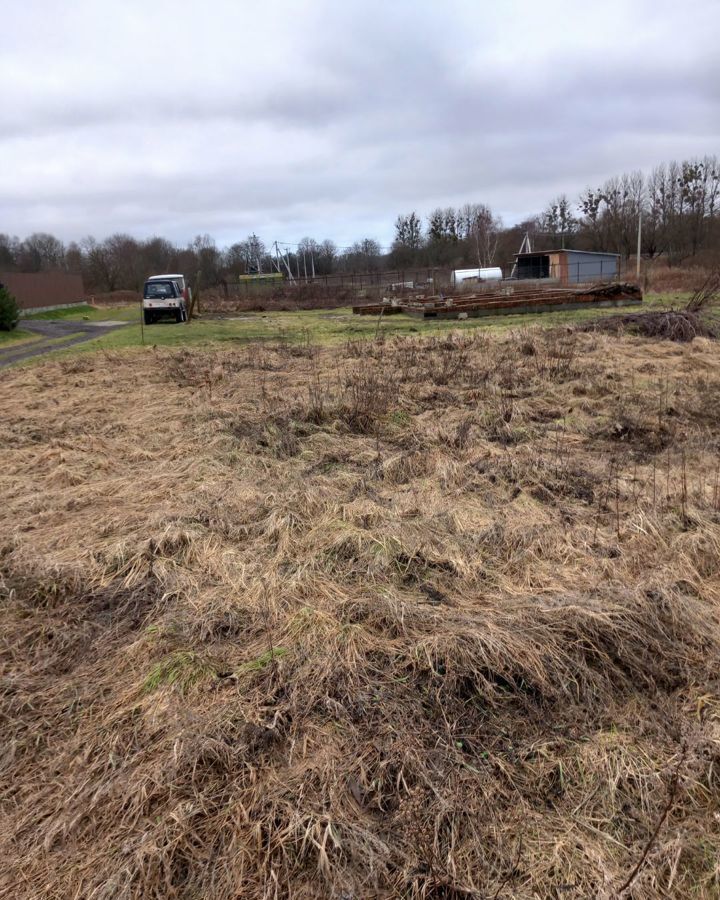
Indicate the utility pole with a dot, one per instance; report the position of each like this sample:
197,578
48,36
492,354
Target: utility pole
284,258
639,243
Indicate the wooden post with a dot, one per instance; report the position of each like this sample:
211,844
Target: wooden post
195,297
379,321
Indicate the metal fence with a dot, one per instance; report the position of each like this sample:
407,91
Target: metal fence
434,279
397,280
40,290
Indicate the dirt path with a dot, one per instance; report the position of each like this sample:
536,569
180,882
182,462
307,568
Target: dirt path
54,334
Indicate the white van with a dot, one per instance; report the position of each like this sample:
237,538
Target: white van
165,295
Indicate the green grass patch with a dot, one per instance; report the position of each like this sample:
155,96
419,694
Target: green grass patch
62,339
183,669
262,661
400,417
328,326
16,336
87,313
325,326
57,346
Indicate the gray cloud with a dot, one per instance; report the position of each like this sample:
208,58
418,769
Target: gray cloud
329,119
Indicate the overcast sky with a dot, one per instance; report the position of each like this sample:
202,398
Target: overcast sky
329,117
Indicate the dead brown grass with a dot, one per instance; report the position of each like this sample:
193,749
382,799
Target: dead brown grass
681,325
423,619
661,278
281,297
114,298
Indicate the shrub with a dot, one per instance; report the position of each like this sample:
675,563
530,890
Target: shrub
9,312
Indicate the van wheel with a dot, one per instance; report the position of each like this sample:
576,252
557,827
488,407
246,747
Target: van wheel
148,317
178,316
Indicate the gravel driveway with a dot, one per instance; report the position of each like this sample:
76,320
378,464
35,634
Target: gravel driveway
54,334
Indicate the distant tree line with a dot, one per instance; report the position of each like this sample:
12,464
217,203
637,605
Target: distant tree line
122,262
679,203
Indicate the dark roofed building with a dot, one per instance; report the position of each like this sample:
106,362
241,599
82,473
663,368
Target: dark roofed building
568,266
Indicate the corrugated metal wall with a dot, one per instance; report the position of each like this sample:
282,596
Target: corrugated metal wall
37,289
589,267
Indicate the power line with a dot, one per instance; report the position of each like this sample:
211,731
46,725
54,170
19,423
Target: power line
354,247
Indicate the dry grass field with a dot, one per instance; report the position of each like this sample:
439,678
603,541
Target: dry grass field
419,618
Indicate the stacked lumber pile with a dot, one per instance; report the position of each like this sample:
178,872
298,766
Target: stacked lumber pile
509,301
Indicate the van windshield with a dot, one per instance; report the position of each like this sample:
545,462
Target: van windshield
155,290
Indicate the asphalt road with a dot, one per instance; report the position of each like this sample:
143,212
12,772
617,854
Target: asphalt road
53,334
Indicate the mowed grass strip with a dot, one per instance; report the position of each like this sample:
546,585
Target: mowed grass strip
16,336
327,326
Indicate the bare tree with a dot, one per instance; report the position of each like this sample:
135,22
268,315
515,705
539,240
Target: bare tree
328,257
246,257
363,255
100,269
699,182
408,231
480,229
41,252
436,226
451,224
558,219
73,258
208,259
159,256
408,240
9,251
